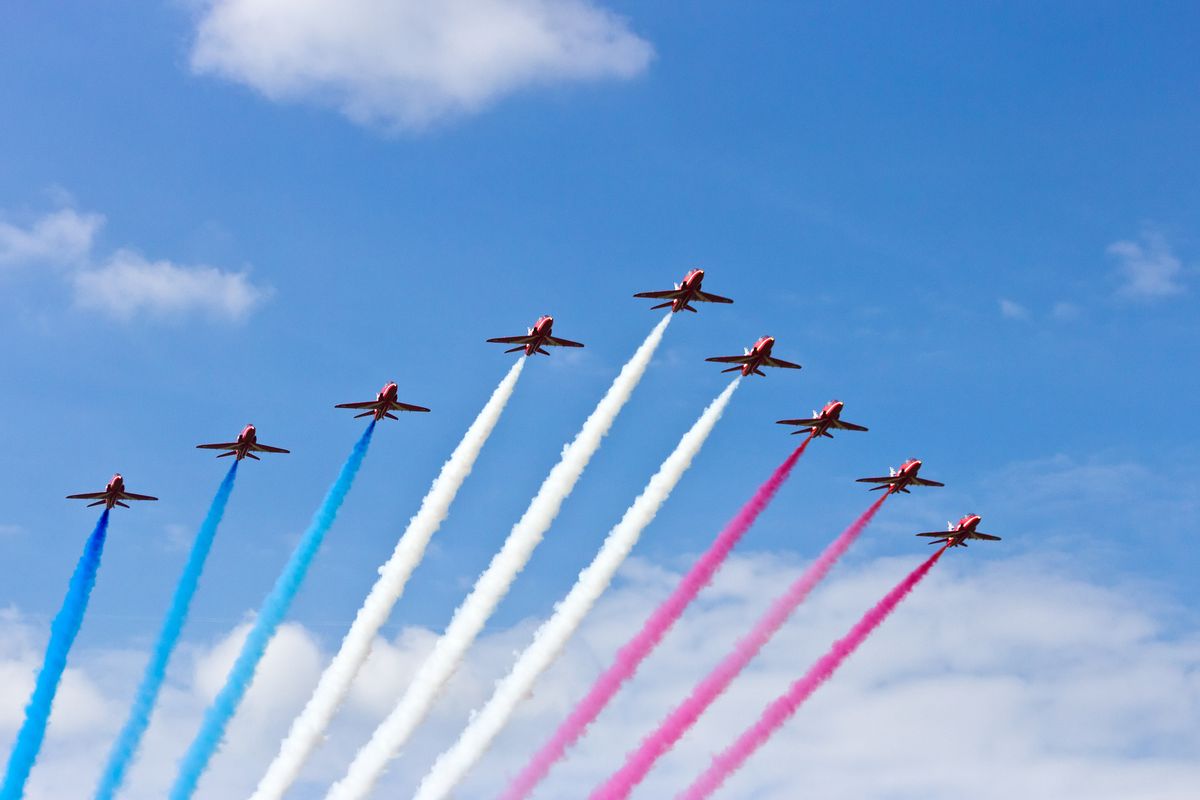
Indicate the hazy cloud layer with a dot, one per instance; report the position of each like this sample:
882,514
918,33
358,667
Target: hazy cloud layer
407,63
997,679
126,285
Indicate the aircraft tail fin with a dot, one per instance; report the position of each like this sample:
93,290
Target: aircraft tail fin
226,454
515,349
122,505
97,503
251,455
662,305
364,414
731,369
390,415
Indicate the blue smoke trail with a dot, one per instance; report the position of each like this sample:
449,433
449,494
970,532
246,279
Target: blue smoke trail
130,738
212,729
62,635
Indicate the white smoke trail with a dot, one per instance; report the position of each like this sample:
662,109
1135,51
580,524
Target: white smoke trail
453,765
493,584
308,728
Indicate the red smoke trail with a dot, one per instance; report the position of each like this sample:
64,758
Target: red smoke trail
635,651
779,711
679,721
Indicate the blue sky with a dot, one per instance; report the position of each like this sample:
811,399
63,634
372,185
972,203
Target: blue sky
976,225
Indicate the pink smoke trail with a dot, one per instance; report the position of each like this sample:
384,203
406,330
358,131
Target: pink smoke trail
780,710
680,720
635,651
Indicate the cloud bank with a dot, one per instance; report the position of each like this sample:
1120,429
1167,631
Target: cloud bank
999,678
407,63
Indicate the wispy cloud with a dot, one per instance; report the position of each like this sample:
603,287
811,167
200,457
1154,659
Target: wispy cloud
407,63
126,285
1012,309
129,286
1148,269
60,238
1065,311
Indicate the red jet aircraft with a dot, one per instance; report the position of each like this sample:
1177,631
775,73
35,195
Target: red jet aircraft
245,446
820,424
900,479
539,338
754,359
384,403
112,495
956,534
684,294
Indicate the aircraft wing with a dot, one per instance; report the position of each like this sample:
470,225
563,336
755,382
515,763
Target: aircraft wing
889,479
729,359
705,297
779,362
668,294
796,422
512,339
88,496
218,446
923,482
848,426
132,496
936,533
266,448
985,536
556,342
365,404
407,407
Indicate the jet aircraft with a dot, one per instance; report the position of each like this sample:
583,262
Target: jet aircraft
754,359
245,447
820,424
537,340
384,403
956,534
112,495
898,480
684,294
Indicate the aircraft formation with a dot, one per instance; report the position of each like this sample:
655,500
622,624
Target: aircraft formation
309,728
540,336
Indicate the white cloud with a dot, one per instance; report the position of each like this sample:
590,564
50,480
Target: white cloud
61,238
128,285
407,63
1148,269
1000,677
1012,309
